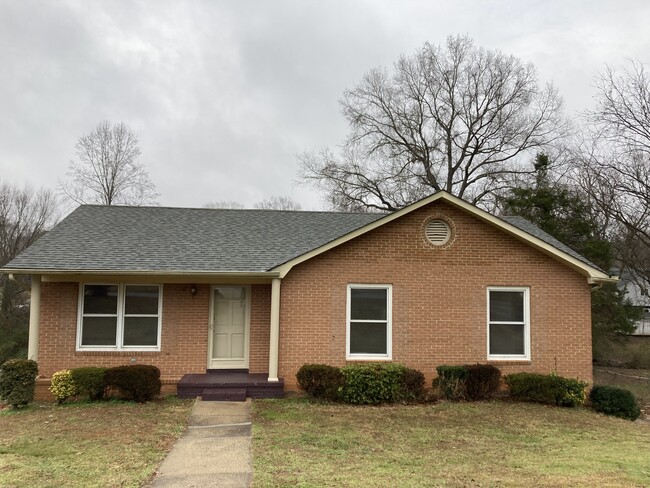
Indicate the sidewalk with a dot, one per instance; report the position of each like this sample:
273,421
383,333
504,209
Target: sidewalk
215,450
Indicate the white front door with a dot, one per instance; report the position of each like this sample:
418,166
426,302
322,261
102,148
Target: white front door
229,327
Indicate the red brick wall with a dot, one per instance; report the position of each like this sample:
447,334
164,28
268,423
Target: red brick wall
439,306
184,338
439,298
260,329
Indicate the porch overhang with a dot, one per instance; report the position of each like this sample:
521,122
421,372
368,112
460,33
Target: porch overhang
148,276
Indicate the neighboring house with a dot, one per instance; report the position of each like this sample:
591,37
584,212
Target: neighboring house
640,298
264,292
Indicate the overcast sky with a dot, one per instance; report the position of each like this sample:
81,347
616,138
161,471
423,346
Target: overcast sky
224,95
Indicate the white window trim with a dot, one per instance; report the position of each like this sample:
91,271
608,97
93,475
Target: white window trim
389,324
526,324
121,291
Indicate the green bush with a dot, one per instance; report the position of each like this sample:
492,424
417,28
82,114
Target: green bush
452,382
18,381
374,383
412,384
320,381
550,389
89,381
63,385
138,382
482,381
615,401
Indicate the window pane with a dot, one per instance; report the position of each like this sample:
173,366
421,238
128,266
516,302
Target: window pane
140,331
100,299
507,339
99,331
141,300
368,338
507,306
368,303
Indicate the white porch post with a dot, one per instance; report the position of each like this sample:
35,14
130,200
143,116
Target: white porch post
274,343
34,318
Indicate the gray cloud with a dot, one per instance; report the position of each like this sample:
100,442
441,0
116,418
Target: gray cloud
224,94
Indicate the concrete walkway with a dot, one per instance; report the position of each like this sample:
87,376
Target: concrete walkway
214,451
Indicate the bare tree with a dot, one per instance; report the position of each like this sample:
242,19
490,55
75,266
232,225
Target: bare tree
25,215
227,204
616,166
108,171
453,118
278,203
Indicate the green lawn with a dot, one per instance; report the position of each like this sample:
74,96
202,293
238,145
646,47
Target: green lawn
299,443
105,444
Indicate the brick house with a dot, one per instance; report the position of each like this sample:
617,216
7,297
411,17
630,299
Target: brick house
252,295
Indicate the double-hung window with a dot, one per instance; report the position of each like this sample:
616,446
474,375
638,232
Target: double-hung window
119,317
369,322
508,323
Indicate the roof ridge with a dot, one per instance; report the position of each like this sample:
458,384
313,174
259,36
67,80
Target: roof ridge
166,207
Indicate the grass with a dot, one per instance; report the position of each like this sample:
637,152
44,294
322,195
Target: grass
88,444
298,443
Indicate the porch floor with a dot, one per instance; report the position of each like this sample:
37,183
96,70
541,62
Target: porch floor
229,386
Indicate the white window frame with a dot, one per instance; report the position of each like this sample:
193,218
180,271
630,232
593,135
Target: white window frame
389,324
525,325
121,304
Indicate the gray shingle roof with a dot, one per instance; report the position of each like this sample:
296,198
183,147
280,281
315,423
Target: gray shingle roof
119,238
535,231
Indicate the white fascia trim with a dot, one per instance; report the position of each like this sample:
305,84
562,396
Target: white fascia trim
593,275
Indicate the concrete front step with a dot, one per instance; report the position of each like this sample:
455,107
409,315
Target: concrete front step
224,394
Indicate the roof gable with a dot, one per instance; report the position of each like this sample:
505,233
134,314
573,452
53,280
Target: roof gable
517,227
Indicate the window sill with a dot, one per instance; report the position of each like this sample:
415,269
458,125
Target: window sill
368,358
114,352
510,360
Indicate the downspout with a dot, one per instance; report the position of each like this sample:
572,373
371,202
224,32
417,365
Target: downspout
274,342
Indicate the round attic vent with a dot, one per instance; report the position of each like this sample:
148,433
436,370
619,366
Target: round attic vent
437,232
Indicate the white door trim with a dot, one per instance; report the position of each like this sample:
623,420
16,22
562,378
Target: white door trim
229,363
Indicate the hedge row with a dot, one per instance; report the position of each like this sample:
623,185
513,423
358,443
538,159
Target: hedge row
468,382
137,382
18,381
547,388
87,382
368,384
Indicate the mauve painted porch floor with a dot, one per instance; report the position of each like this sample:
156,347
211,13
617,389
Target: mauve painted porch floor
255,385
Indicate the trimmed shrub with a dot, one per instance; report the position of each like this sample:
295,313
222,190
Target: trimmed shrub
63,385
412,384
615,401
89,381
18,381
452,382
482,381
372,384
550,389
138,382
320,381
